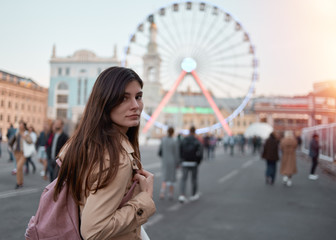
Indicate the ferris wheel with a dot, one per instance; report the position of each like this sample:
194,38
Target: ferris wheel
202,48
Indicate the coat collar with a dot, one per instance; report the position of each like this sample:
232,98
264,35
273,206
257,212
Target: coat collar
127,145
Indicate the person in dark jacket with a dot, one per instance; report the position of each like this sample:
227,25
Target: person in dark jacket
271,155
191,153
314,150
58,140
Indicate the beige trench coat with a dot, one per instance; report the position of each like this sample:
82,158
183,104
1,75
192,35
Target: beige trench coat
100,216
288,157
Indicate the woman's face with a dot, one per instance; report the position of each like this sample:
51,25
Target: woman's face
127,114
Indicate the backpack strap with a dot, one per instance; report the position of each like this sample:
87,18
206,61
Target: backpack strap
128,196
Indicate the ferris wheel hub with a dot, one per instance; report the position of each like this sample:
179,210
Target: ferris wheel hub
188,64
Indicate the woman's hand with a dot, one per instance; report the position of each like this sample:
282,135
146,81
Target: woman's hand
146,181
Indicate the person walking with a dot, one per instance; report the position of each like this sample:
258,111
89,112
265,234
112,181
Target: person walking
314,151
232,143
101,161
41,145
57,142
206,146
29,150
271,155
191,153
10,134
169,154
18,143
288,145
212,146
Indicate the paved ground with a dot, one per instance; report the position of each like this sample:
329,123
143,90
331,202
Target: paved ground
235,203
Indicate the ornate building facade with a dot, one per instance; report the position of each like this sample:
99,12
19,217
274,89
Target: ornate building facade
71,82
21,99
295,113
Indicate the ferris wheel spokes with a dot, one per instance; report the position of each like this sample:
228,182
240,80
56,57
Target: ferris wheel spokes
163,102
213,38
212,104
171,92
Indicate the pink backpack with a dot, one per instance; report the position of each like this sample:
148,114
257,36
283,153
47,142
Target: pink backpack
54,220
60,219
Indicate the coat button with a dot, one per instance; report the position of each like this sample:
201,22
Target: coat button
140,212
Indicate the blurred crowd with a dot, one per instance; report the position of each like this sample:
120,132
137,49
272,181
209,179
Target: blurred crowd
25,144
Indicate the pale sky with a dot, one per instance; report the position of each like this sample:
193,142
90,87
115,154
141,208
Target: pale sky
295,40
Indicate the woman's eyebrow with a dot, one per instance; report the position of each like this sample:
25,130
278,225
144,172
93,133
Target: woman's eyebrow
127,93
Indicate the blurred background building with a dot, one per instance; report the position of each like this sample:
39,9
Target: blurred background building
21,99
71,81
295,113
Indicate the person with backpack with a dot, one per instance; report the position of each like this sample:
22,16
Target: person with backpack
101,166
191,152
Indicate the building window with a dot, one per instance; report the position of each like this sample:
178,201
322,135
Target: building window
15,119
79,91
2,103
67,71
22,106
62,86
8,118
16,106
0,117
9,104
59,71
61,113
62,98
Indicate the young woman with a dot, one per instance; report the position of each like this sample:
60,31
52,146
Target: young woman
102,160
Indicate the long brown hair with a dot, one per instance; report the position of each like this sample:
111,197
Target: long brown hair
96,136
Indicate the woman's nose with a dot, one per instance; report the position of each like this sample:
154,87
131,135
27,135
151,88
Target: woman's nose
134,104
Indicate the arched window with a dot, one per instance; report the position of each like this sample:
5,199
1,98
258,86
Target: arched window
62,86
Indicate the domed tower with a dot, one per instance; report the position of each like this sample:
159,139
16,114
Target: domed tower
151,71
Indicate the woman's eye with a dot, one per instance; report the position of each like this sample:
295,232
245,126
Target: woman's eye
138,97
